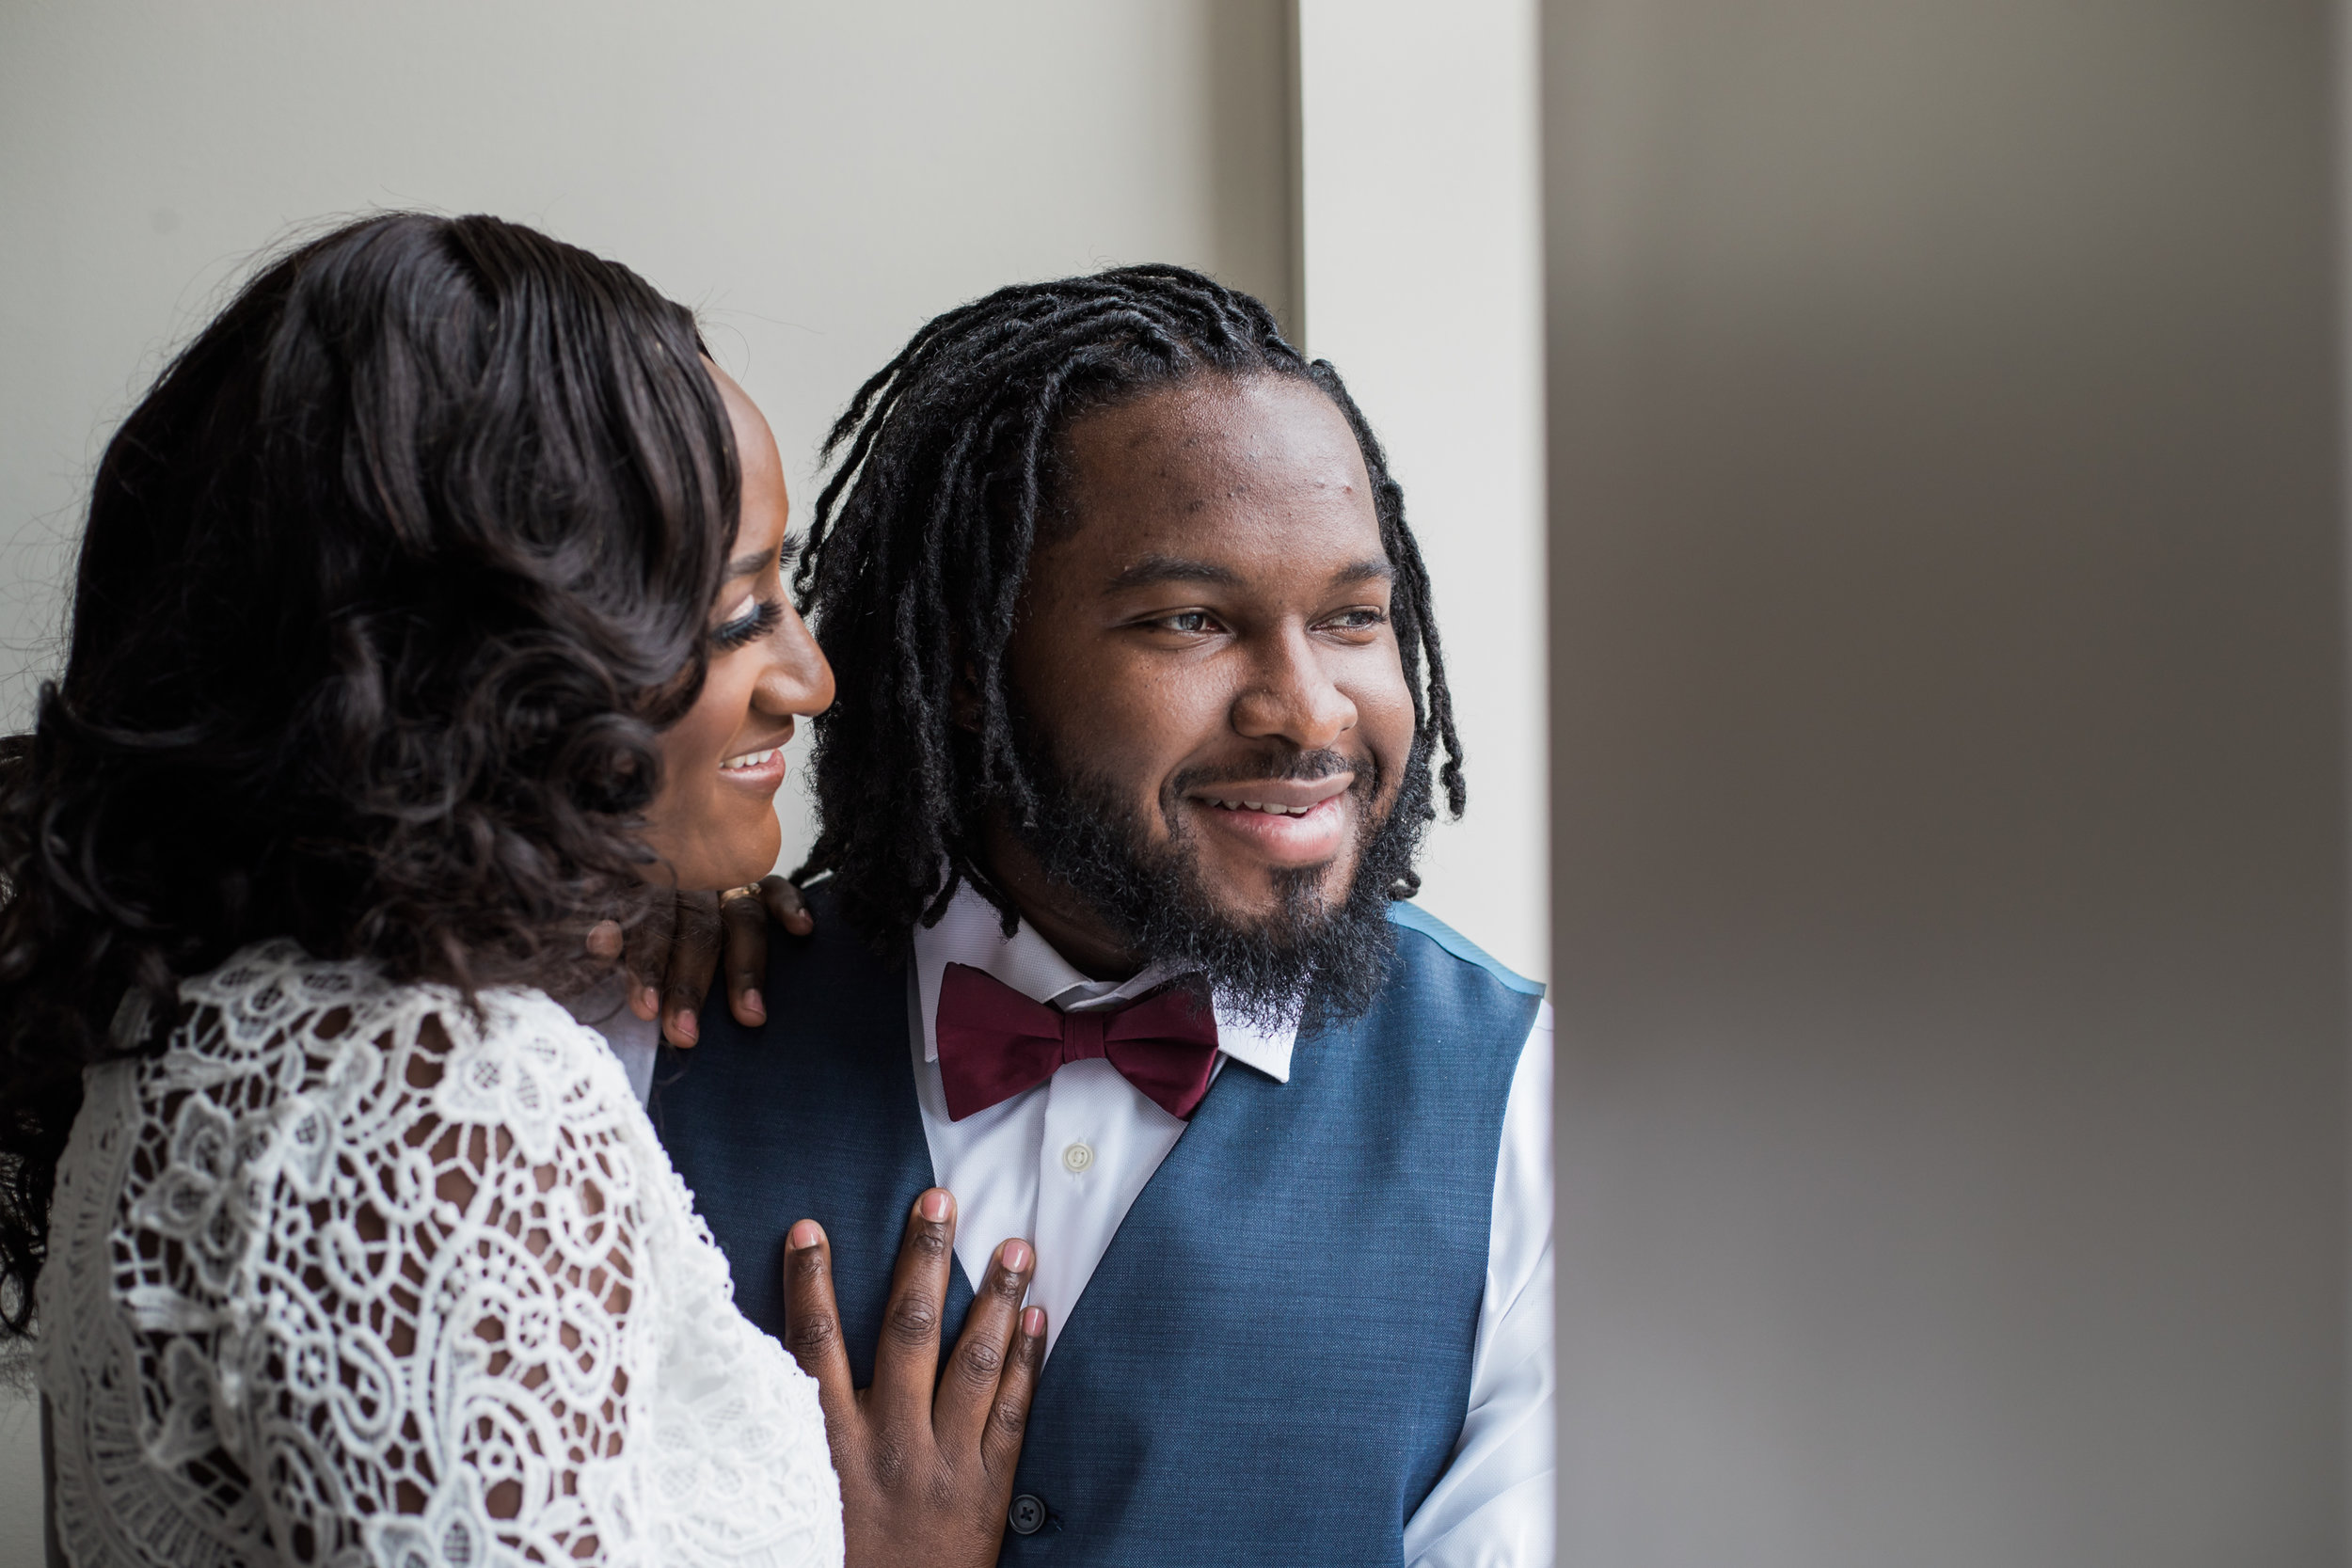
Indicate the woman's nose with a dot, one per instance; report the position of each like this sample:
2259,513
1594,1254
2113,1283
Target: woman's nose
798,679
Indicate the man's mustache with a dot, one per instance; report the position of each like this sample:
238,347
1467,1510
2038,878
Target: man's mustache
1293,766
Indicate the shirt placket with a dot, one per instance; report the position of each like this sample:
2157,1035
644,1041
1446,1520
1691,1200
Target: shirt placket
1071,1182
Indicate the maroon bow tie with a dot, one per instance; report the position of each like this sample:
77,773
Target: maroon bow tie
994,1042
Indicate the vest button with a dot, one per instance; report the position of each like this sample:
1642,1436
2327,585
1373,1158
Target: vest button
1076,1159
1026,1515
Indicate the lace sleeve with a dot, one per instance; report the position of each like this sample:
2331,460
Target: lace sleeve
443,1353
410,1249
354,1275
458,1333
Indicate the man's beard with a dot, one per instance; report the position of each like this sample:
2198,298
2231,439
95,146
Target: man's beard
1310,960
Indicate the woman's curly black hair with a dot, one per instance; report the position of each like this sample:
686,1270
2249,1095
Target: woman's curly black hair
388,585
947,475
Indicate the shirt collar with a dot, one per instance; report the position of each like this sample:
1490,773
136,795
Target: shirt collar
972,932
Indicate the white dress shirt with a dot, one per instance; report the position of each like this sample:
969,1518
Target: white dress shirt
1059,1164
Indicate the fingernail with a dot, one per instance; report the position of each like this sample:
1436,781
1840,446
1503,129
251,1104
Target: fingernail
755,1005
1016,1256
803,1236
687,1027
650,1002
936,1205
1033,1321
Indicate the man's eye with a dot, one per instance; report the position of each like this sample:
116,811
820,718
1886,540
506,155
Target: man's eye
1191,621
1358,620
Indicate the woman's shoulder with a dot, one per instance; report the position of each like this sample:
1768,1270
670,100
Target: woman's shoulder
306,1025
271,990
285,1076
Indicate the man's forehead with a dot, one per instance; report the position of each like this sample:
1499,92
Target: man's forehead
1219,475
1233,545
1214,442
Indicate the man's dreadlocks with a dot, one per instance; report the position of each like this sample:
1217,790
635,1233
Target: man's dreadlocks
921,542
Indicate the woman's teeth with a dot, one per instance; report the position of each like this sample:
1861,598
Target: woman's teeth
1269,806
749,759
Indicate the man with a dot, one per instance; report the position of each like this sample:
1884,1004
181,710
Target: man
1141,705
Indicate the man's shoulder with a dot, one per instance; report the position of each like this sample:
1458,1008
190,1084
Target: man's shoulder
837,955
826,993
1434,938
1447,998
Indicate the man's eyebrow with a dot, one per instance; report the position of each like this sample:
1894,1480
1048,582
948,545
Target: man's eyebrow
1149,570
756,563
1380,569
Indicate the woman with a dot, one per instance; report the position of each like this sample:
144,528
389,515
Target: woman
429,615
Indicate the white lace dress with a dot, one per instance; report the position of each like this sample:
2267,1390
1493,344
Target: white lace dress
349,1276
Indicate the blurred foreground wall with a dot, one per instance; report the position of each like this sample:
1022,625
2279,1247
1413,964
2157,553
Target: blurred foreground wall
1948,698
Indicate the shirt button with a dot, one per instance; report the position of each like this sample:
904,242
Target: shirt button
1026,1515
1076,1159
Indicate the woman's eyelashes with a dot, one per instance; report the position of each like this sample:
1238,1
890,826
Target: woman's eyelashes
749,627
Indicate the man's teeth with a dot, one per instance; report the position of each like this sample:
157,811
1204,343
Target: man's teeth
1275,807
749,759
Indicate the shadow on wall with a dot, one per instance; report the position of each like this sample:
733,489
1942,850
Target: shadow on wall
1252,207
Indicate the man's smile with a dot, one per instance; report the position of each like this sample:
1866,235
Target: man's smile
1282,823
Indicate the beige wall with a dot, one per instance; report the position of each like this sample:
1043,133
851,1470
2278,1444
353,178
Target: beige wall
1424,285
816,179
1949,732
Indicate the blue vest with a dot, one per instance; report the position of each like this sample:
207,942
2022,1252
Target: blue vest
1272,1362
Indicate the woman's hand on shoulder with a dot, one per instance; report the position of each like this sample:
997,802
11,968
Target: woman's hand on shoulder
926,1456
672,960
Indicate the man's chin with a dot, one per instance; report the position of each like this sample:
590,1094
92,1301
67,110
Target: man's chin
1257,896
1300,943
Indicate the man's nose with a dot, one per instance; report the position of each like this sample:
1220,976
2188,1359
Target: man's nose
1292,697
798,678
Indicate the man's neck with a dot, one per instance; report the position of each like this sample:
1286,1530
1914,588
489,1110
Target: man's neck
1054,913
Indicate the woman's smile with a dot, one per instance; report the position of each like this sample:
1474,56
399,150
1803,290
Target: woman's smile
762,769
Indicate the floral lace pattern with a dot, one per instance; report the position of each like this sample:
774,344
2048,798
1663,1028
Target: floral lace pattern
354,1274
